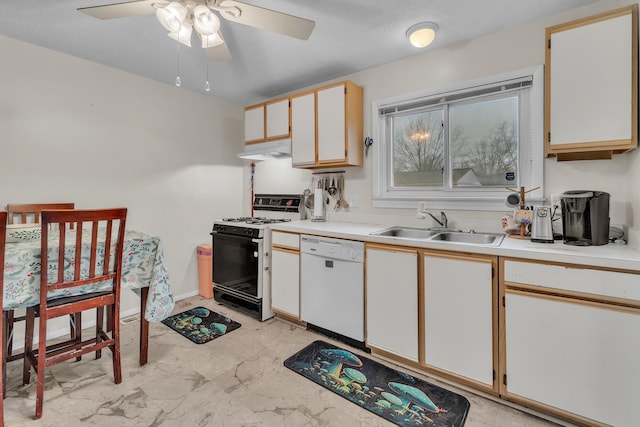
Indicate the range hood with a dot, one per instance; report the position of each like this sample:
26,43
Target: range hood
267,150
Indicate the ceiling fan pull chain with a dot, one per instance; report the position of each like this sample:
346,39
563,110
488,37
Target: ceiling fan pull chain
207,86
178,81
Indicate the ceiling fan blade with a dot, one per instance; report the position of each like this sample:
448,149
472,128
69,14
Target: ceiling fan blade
267,19
219,53
120,10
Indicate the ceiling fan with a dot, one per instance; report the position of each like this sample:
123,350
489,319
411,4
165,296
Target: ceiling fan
180,17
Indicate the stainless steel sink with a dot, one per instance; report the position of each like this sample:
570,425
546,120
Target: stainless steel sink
441,235
405,233
488,239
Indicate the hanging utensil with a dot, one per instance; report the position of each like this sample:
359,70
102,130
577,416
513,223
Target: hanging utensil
339,195
343,203
332,190
308,198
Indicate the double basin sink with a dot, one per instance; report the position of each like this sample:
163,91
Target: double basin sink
442,235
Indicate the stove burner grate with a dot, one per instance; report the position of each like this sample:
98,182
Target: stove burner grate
256,220
242,219
266,220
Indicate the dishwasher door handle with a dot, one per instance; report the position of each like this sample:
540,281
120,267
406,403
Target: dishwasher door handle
330,248
328,263
330,245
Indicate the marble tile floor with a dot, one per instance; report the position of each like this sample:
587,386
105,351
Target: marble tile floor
235,380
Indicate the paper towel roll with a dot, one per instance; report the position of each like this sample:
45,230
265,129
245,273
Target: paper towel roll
318,202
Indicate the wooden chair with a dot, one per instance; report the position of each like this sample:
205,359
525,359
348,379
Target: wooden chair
3,374
23,214
103,266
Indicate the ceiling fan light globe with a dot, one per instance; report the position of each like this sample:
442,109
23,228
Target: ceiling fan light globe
172,16
205,21
183,35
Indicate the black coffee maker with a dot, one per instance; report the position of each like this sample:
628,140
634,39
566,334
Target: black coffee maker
585,217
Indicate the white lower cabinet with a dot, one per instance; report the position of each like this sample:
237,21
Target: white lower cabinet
572,341
460,317
558,338
285,275
576,356
392,300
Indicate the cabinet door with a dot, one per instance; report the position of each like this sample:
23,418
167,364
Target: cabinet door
278,119
331,124
303,129
254,124
459,319
285,281
591,79
392,300
577,356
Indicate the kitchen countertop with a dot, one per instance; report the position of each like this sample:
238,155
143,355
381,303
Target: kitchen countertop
610,256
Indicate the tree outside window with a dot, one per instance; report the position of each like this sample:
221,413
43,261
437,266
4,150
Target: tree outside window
481,142
418,149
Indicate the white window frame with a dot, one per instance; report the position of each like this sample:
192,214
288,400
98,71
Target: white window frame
530,156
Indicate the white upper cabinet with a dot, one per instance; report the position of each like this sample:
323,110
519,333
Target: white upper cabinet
331,124
303,129
327,126
278,121
591,73
254,123
267,121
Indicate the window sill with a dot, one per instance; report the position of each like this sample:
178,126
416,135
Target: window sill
493,204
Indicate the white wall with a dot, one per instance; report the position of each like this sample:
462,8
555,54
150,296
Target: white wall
511,49
76,131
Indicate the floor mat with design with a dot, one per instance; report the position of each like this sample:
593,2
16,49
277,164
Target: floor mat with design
394,395
200,324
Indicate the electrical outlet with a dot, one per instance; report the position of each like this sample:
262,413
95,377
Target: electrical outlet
555,200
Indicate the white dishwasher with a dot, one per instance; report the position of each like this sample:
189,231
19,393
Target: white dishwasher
332,285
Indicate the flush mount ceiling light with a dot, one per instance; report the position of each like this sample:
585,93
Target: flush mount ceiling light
422,34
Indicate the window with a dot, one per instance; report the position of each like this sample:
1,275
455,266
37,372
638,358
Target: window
460,147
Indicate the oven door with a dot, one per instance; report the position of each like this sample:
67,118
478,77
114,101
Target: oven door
237,264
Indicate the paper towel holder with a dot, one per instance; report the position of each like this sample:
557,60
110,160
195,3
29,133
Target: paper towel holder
318,211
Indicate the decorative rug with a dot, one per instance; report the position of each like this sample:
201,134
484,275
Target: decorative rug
393,395
200,324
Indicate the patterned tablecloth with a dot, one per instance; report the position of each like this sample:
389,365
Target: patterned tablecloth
143,266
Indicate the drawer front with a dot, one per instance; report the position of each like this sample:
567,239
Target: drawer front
597,282
289,240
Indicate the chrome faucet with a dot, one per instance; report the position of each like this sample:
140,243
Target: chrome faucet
443,221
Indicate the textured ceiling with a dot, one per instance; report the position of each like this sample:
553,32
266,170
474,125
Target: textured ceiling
350,36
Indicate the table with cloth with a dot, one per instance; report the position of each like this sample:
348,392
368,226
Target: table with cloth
143,271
